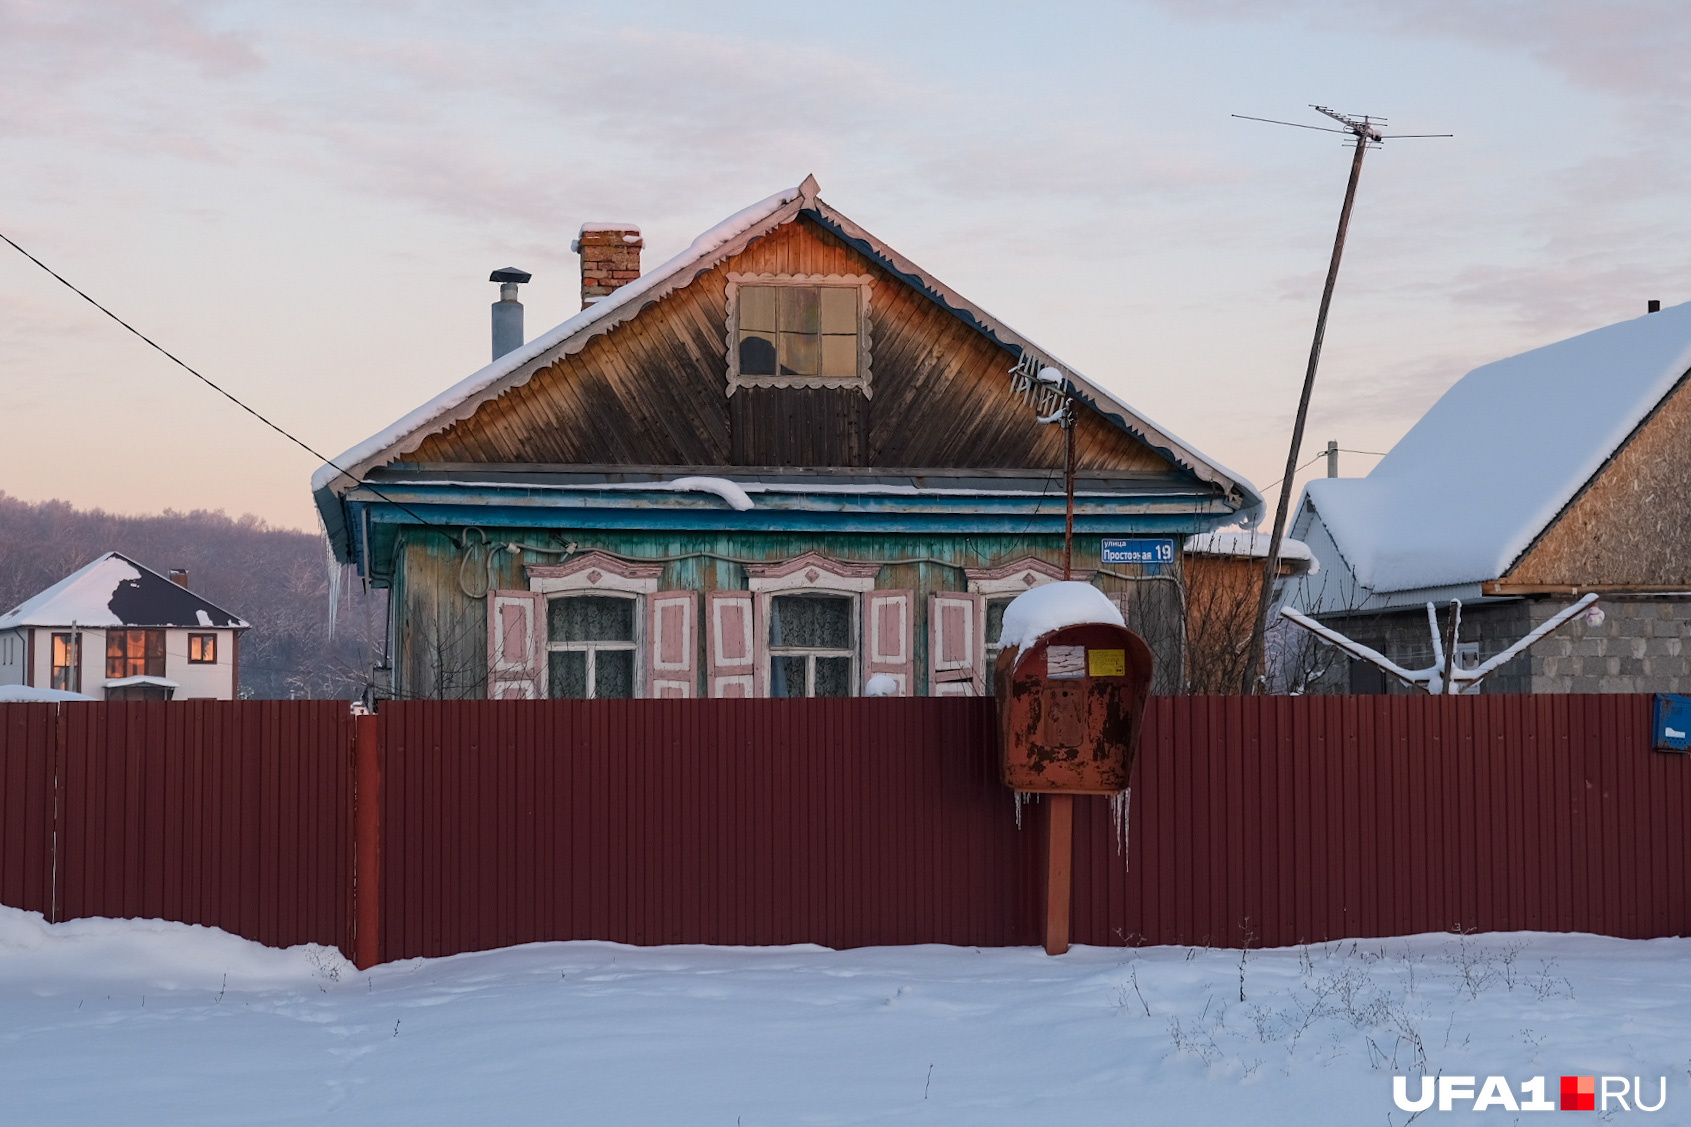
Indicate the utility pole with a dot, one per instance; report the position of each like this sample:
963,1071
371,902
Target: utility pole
1365,132
1068,488
1332,458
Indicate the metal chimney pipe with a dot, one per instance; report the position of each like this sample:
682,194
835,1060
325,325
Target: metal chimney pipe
508,311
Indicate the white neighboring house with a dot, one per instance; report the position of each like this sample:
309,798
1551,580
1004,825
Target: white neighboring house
115,630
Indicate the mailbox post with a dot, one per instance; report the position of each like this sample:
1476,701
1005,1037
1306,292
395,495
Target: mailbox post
1070,707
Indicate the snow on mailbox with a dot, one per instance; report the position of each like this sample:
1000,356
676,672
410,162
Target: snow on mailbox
1071,681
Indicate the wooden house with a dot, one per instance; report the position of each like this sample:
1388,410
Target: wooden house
1223,580
116,630
782,462
1534,480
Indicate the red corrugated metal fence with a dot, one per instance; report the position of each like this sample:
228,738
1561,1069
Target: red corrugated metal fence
1265,821
841,822
235,814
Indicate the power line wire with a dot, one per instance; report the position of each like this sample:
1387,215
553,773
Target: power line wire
168,355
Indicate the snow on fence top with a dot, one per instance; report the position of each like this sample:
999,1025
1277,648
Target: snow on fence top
1037,612
1465,492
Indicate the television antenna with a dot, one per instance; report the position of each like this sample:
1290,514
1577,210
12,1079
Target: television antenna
1445,676
1045,389
1365,132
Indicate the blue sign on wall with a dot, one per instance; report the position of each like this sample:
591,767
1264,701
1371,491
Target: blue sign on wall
1140,550
1673,722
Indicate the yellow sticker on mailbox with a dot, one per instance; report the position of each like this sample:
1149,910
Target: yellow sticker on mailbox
1106,663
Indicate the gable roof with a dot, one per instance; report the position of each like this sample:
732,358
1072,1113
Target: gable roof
728,238
1500,456
114,590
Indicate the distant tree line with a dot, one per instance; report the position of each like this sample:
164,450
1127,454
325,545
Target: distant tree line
275,578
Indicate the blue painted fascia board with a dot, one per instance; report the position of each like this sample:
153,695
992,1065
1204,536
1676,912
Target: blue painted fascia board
456,516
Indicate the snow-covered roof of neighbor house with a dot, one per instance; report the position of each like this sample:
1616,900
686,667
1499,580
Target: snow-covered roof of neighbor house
114,590
141,679
35,694
1039,610
1295,555
1500,455
728,238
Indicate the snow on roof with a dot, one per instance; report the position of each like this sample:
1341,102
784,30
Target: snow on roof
1472,484
114,590
1294,554
141,679
449,406
726,238
34,694
1040,610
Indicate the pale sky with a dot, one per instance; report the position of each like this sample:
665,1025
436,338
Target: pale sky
304,199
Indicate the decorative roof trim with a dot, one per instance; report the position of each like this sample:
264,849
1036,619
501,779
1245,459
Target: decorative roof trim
727,239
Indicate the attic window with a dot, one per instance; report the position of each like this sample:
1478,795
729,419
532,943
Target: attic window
798,330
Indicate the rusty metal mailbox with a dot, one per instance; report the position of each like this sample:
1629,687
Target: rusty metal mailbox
1070,707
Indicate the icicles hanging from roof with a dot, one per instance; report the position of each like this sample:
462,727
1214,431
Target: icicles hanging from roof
335,570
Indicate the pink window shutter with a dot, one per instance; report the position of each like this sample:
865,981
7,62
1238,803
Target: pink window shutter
672,639
732,644
889,637
516,644
956,648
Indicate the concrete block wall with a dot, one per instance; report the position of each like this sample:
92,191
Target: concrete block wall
1643,645
1639,647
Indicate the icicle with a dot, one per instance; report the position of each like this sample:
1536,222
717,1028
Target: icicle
1121,806
334,586
1023,799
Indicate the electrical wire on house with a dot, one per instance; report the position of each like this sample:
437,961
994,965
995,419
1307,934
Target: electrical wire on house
174,359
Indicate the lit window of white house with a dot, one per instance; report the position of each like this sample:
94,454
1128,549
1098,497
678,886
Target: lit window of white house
590,646
798,330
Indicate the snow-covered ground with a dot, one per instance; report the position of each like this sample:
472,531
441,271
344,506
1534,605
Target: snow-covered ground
141,1022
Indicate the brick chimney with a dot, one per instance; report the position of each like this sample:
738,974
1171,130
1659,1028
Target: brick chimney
610,257
179,576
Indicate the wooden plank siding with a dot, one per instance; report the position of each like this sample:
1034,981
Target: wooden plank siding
653,391
440,645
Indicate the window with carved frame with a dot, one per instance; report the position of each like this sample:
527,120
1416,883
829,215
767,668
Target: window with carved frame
812,648
591,646
799,330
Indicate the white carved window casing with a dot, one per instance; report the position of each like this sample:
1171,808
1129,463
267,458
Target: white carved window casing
593,625
590,643
799,330
810,619
996,588
810,645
